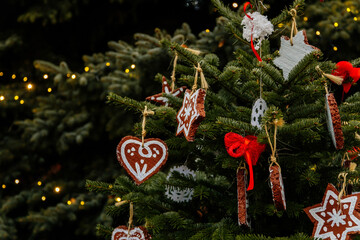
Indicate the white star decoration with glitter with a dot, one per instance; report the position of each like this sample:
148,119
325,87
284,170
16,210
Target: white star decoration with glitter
165,89
332,221
290,56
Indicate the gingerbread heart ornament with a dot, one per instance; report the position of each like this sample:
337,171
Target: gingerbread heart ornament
136,233
141,162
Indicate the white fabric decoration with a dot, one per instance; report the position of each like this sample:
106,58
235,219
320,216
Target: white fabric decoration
260,27
257,112
176,194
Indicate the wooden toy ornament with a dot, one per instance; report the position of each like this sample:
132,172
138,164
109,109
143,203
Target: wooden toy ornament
142,158
130,233
337,216
192,111
293,49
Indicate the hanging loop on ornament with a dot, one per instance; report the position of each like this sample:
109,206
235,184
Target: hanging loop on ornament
294,30
173,72
245,6
342,193
335,79
345,158
131,215
145,114
204,83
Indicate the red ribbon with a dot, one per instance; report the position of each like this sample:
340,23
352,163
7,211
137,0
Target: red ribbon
354,153
345,70
237,146
252,42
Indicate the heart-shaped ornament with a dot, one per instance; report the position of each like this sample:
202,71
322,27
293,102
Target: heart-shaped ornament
136,233
141,162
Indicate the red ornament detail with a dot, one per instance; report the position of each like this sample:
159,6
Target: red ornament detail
237,146
166,88
191,114
345,70
332,221
354,153
277,187
141,162
252,42
136,233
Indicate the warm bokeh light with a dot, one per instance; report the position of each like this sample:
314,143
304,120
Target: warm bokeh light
16,98
317,33
29,86
107,64
86,69
207,30
82,203
2,98
118,199
348,10
73,76
127,70
13,76
25,79
17,181
68,202
132,66
46,76
39,183
1,74
3,186
49,89
235,5
43,198
336,24
280,25
22,101
57,189
306,19
355,19
335,48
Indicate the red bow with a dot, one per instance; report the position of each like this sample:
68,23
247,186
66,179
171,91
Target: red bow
252,42
237,145
345,70
354,153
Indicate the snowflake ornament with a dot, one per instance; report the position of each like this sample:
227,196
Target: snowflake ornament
258,26
333,221
176,194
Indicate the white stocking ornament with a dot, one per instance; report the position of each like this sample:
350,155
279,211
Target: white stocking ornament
257,112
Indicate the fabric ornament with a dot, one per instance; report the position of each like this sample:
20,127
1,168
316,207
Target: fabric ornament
243,204
256,28
334,121
136,233
237,146
166,88
335,217
175,193
257,112
291,54
347,73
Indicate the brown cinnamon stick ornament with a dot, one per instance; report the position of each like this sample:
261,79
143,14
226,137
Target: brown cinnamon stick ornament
277,187
242,200
334,121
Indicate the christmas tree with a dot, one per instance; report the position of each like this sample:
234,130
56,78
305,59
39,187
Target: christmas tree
268,117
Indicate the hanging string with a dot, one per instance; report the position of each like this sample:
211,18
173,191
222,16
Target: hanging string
173,72
145,114
272,146
204,83
335,79
342,192
131,214
294,30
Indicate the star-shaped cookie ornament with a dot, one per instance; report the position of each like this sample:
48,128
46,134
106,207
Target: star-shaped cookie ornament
191,113
291,55
165,89
333,221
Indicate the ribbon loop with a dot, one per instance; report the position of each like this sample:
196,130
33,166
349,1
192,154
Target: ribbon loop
252,41
248,146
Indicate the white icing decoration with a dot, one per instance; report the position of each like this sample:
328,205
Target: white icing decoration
336,217
139,173
257,112
139,232
331,202
290,56
176,194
